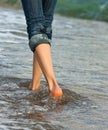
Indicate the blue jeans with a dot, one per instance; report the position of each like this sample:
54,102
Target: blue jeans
39,17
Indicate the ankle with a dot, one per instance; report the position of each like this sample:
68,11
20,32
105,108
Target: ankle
34,85
52,83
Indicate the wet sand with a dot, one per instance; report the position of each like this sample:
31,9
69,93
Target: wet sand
80,53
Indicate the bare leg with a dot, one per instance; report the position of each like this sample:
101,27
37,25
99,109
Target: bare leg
39,15
36,74
43,54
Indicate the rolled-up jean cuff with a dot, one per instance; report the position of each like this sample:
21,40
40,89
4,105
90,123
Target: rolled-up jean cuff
37,40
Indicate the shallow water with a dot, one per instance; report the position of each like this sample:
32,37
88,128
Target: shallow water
80,57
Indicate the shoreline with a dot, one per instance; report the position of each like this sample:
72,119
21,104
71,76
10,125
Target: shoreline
99,16
8,7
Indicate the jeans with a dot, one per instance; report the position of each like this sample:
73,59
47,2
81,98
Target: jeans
39,17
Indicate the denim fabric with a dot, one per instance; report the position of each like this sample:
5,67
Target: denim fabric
37,40
39,16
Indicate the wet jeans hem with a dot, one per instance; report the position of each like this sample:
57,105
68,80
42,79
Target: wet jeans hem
37,40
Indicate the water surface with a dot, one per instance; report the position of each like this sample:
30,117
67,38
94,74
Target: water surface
80,58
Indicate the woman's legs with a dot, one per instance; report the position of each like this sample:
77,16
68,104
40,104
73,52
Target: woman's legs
44,58
42,62
36,22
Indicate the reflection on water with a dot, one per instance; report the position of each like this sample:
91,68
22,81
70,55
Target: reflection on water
80,53
18,103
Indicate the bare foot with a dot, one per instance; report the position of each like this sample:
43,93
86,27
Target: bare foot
56,92
34,87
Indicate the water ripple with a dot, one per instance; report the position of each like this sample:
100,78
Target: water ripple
80,57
